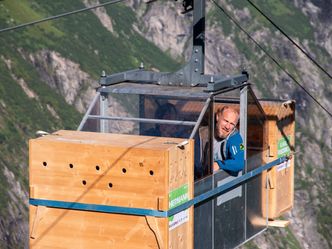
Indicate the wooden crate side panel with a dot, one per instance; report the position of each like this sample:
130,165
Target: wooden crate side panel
97,174
285,177
280,185
268,177
60,228
181,173
272,176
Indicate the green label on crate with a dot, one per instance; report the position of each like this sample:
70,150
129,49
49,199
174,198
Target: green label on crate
283,146
176,198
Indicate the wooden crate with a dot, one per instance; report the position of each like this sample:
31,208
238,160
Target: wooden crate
281,139
115,170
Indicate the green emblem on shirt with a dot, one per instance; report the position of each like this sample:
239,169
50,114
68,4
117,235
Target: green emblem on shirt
241,147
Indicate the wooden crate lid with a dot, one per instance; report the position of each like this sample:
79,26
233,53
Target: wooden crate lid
278,109
118,140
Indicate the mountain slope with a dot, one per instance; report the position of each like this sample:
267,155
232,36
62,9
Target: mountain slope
48,73
37,65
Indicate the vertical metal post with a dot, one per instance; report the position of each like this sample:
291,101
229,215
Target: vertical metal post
103,112
243,119
211,138
141,111
198,37
211,132
243,132
86,115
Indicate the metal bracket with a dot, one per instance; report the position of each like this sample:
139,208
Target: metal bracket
232,81
137,75
192,74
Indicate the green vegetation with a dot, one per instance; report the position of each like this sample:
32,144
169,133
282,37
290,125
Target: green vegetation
251,245
84,40
216,17
290,241
283,13
324,217
261,75
284,238
22,116
324,221
80,38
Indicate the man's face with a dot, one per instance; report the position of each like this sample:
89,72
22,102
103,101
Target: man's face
226,122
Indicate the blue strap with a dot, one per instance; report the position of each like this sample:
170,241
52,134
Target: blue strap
150,212
97,208
225,187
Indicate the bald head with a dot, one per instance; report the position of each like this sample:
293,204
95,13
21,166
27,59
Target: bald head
226,121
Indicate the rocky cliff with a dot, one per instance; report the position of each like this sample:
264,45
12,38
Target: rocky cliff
70,72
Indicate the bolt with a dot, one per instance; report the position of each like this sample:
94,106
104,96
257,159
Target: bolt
196,60
103,73
141,66
196,50
196,69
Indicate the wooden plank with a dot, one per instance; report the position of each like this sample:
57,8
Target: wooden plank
153,224
39,213
278,223
84,229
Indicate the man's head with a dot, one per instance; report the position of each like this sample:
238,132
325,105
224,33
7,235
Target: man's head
226,121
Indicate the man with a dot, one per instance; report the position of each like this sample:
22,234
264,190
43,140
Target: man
228,149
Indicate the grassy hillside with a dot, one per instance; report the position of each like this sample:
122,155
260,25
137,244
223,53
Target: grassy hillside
80,38
83,39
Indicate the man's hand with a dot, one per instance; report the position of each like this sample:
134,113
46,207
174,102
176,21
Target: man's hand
215,166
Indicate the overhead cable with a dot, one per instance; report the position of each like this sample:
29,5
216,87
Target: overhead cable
271,57
291,40
59,16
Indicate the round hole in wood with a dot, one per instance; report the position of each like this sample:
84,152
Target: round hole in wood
71,165
45,164
84,182
124,170
151,172
97,167
110,185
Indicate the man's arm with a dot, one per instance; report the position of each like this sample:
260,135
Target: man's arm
234,155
